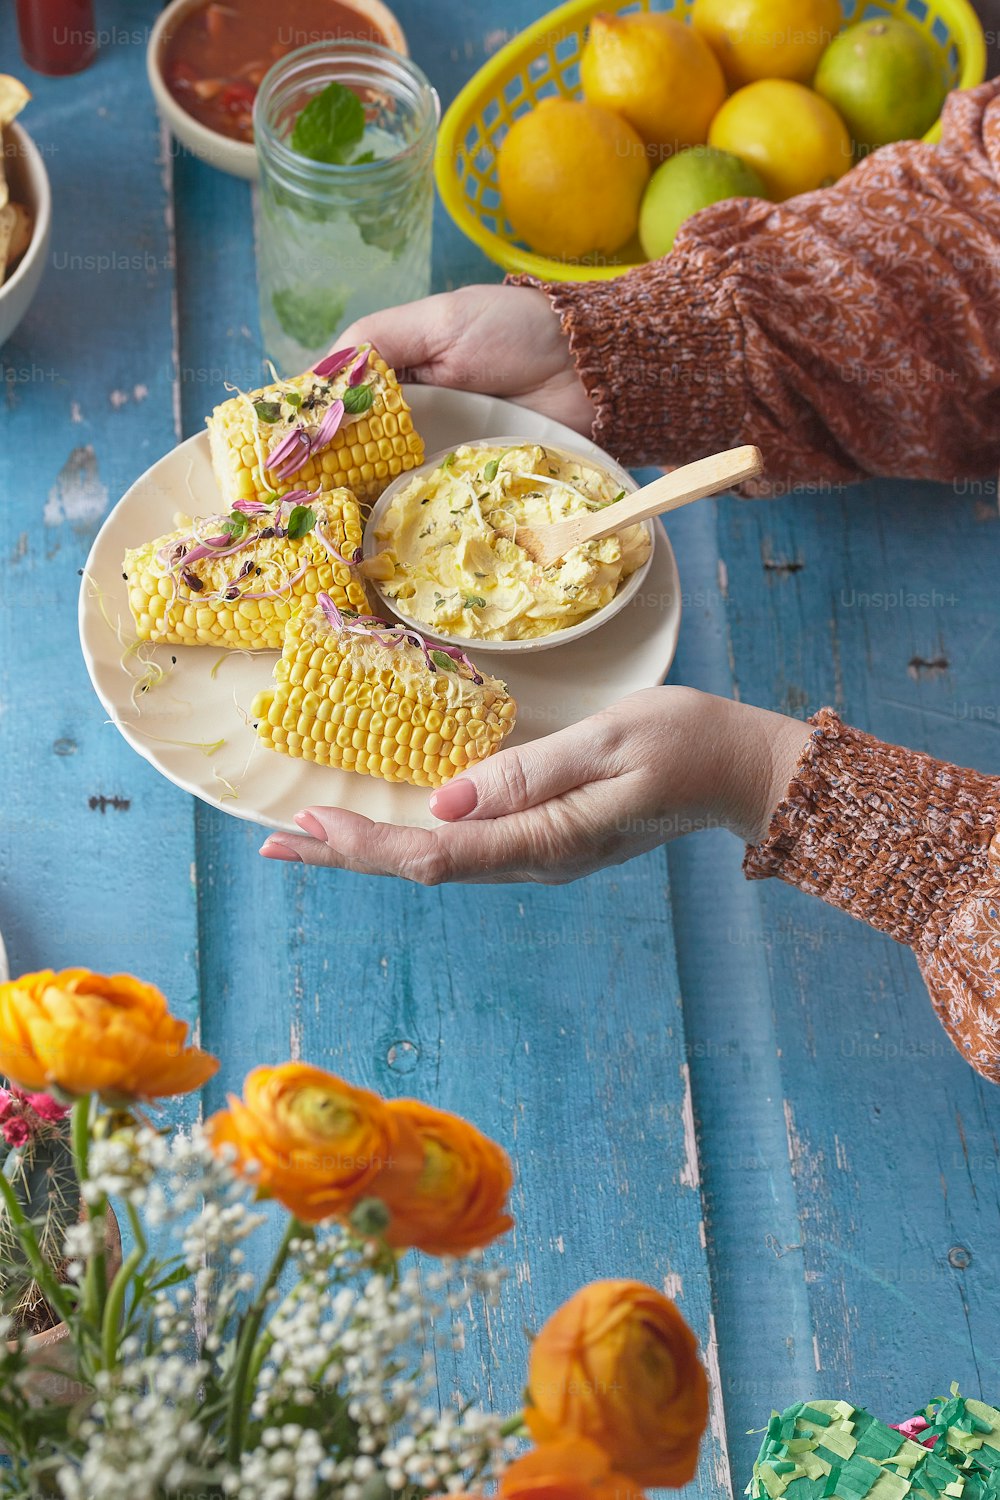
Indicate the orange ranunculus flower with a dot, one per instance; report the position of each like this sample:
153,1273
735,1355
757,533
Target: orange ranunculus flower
618,1364
84,1033
569,1469
458,1202
317,1143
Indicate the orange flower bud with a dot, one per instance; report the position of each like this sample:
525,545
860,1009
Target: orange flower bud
570,1469
317,1144
458,1202
618,1364
84,1033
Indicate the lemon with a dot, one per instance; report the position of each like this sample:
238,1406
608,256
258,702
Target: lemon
655,72
571,178
690,181
792,137
767,38
884,78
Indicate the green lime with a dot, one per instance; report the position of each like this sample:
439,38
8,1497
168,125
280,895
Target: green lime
884,78
685,183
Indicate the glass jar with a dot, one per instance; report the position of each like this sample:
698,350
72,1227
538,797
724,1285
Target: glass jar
336,242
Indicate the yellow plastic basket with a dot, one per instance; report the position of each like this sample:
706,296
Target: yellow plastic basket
545,59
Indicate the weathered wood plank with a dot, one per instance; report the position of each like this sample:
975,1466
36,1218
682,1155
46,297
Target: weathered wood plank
96,848
549,1017
889,613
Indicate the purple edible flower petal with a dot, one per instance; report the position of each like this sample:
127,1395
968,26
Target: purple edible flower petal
213,546
331,611
358,367
252,507
335,361
327,429
293,462
289,445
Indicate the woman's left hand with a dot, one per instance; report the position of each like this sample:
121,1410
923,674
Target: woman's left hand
660,763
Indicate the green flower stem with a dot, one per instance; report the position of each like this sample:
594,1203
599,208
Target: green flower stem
115,1303
247,1340
513,1426
95,1282
42,1272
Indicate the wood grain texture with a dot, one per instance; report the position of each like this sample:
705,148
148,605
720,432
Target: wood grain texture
724,1088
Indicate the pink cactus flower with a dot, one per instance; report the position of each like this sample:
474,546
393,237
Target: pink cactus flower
8,1104
47,1108
16,1131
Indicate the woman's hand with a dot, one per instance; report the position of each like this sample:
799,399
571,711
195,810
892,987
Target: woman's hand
662,762
505,340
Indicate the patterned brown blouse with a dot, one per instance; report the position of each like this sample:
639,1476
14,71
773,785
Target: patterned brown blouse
850,332
728,339
912,846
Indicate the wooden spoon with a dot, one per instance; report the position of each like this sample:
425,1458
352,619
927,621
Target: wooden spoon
547,544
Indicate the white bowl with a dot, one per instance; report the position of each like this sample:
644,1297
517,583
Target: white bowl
29,184
594,621
239,158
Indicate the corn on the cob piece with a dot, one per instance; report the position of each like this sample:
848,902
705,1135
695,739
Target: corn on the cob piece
239,592
373,443
366,696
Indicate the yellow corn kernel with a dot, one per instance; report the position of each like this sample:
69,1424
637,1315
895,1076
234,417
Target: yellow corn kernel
376,709
240,442
167,608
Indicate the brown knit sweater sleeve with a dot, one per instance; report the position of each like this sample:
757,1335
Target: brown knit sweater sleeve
912,846
847,332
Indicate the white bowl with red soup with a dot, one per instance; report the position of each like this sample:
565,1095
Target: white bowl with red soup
206,60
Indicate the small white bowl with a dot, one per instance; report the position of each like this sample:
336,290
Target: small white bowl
238,158
29,184
594,621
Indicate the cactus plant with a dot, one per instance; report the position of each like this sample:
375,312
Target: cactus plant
37,1161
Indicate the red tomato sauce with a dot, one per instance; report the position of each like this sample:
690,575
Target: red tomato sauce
216,56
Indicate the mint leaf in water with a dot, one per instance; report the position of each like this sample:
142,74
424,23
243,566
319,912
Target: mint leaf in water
310,318
331,124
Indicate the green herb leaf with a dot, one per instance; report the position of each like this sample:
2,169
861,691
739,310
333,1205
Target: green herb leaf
358,398
301,521
447,461
472,601
270,499
443,660
268,411
294,398
329,127
237,525
363,159
490,472
620,496
310,318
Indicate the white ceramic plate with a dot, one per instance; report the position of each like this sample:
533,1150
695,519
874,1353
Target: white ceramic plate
189,711
595,621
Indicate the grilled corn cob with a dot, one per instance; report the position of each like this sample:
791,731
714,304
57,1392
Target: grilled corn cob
369,697
233,581
344,424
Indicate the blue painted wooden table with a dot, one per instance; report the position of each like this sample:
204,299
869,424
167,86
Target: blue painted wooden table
726,1089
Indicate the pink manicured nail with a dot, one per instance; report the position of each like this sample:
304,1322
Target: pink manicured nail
456,800
310,825
272,850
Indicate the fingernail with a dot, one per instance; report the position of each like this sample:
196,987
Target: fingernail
456,800
272,850
310,825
